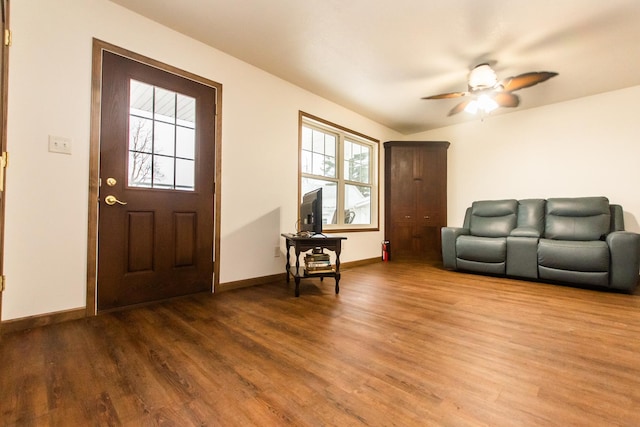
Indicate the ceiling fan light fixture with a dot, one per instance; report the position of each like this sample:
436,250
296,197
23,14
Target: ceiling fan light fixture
472,107
484,104
486,93
482,77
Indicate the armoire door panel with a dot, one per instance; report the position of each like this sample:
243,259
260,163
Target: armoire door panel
402,180
402,235
428,242
431,194
429,219
404,215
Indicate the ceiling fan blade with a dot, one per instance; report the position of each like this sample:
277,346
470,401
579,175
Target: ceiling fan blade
447,95
526,80
506,99
458,108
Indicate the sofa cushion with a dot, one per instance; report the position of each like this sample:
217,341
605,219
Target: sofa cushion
482,249
591,278
592,256
493,218
482,267
580,218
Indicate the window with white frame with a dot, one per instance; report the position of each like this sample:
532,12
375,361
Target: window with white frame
344,164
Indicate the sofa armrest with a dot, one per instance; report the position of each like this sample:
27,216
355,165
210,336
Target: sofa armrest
624,247
525,232
617,218
449,237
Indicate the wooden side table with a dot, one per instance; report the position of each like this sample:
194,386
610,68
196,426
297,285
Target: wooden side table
302,244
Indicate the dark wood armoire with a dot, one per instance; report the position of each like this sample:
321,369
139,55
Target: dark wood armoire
415,197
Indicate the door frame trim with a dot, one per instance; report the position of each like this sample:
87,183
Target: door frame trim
4,104
94,161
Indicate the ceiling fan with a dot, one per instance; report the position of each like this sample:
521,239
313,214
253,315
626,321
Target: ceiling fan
486,93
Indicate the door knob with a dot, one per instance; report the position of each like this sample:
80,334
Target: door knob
112,200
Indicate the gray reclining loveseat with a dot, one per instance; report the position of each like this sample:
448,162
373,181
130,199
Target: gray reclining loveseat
572,240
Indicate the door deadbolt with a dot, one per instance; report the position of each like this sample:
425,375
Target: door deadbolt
111,182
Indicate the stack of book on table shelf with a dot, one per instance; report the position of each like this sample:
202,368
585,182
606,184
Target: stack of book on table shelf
317,262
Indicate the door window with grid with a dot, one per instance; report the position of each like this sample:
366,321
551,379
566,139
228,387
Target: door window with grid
162,130
344,164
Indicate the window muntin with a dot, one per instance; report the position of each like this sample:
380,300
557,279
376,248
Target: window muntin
161,138
318,152
344,164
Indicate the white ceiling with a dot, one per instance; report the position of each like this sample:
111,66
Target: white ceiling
379,57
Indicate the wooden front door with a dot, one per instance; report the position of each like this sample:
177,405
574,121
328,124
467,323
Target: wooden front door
156,195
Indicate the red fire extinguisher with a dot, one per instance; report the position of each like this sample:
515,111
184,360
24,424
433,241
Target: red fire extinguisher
386,250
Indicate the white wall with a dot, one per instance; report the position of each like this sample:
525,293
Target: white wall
585,147
47,196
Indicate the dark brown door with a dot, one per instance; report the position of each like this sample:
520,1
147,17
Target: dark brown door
157,148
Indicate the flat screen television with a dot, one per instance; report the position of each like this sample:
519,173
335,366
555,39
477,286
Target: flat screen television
311,212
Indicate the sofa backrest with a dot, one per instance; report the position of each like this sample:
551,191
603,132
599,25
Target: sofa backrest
493,218
579,218
531,217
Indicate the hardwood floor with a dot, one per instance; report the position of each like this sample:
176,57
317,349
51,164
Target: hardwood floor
403,344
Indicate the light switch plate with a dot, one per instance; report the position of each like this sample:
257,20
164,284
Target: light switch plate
59,144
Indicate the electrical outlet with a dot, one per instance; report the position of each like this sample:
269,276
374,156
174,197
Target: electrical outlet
276,252
59,144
